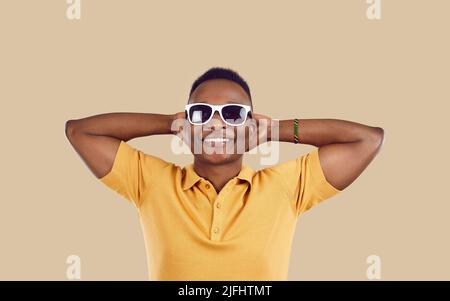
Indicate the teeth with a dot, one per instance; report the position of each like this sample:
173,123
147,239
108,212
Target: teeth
217,139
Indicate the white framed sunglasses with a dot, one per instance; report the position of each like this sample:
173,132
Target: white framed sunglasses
232,114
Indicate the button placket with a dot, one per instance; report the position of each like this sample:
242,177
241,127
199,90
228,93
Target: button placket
216,222
218,215
209,190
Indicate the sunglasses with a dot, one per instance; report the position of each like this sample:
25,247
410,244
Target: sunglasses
231,114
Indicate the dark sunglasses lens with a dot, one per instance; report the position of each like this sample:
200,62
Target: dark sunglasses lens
199,113
234,114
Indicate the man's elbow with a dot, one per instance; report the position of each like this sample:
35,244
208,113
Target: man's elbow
70,128
376,138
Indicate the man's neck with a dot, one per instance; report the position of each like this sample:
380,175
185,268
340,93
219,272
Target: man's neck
218,175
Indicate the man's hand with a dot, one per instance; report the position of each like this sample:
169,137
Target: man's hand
259,130
178,121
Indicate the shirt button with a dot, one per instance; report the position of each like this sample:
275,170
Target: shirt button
207,186
218,205
216,230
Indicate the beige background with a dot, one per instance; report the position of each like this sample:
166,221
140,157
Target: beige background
307,59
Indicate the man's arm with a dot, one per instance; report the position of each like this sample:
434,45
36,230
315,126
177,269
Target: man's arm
345,148
97,138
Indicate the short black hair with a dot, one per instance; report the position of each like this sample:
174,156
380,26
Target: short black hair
221,73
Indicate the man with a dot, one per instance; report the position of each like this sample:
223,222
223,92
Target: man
217,219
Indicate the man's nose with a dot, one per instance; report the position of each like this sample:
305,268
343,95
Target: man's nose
217,121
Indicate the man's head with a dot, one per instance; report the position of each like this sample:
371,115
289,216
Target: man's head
219,86
229,75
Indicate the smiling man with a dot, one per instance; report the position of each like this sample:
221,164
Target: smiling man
217,218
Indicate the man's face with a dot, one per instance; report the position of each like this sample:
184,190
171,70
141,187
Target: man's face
219,92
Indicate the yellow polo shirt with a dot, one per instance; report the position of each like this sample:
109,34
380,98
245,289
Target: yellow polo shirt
191,232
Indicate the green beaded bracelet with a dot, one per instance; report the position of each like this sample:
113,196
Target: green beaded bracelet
296,131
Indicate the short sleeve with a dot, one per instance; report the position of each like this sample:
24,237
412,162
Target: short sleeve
132,172
305,181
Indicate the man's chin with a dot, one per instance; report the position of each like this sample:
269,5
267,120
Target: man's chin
217,159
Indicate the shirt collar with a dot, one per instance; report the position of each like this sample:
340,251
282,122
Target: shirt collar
190,177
